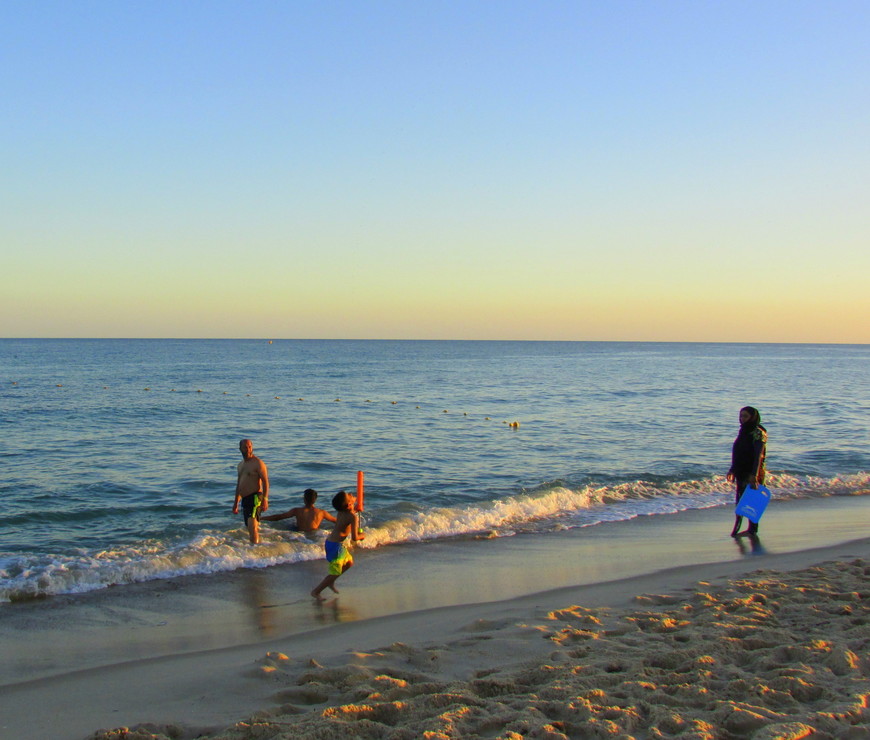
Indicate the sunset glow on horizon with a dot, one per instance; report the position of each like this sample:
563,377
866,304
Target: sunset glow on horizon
665,171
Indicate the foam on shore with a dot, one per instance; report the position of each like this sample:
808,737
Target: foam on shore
201,654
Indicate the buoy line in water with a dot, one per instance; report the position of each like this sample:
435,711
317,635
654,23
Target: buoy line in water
511,424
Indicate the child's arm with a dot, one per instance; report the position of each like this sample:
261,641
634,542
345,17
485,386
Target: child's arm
276,517
355,534
329,517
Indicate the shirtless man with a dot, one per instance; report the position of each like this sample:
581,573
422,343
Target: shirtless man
252,489
308,517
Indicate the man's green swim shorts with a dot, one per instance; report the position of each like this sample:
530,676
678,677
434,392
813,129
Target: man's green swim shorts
251,506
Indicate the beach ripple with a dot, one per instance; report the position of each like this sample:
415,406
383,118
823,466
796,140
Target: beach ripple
770,656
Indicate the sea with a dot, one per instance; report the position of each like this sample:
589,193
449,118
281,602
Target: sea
119,455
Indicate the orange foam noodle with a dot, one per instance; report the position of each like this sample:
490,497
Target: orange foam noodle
360,490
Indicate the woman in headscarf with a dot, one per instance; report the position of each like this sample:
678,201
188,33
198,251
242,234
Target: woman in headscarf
747,461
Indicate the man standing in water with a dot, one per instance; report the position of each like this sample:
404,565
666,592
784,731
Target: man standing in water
252,489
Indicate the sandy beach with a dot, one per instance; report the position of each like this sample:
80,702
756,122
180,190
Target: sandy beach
701,637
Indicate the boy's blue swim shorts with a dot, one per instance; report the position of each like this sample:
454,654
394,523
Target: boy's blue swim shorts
338,556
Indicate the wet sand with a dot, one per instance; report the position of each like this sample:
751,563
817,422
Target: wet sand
498,629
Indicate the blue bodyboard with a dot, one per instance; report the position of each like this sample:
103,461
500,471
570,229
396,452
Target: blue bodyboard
753,502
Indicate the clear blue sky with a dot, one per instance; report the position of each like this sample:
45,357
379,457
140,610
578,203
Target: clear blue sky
529,170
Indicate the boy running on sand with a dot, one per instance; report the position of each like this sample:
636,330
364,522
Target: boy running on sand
337,552
308,517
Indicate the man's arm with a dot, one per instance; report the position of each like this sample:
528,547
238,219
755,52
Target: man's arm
264,482
238,495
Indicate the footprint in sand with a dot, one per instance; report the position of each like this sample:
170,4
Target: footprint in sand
306,695
271,665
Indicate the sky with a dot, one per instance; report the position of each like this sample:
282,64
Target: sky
661,170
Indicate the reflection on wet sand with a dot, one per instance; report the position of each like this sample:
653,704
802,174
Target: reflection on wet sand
329,611
256,593
270,614
750,545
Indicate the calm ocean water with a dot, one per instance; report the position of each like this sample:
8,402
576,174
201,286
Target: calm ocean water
119,456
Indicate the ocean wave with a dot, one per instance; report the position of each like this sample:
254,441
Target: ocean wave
548,507
555,506
26,577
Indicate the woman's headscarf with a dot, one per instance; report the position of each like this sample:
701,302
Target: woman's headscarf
754,421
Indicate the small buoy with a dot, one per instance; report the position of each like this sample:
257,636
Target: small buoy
300,399
199,390
172,390
465,413
59,385
514,425
418,407
270,341
486,418
147,389
446,411
277,398
337,400
395,402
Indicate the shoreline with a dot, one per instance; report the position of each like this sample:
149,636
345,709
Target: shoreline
147,670
202,692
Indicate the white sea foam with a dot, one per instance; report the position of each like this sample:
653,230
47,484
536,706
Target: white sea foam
25,577
545,509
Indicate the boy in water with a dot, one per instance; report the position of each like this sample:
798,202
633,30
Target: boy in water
337,552
308,517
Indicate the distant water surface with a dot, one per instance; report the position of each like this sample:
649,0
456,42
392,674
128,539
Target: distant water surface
119,456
